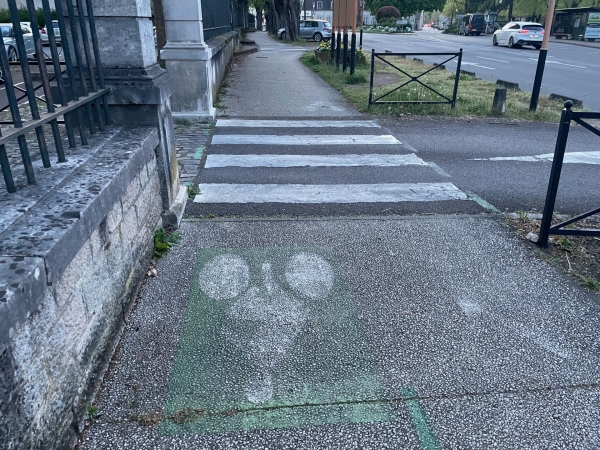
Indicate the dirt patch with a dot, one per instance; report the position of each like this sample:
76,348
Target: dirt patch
577,256
383,79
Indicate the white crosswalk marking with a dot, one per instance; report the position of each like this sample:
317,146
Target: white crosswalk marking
410,159
241,123
325,146
336,193
331,139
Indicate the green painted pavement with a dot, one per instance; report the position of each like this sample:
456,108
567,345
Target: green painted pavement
275,343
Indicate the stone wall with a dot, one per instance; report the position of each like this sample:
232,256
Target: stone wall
223,48
63,298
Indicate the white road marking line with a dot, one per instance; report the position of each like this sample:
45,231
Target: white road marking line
492,59
481,202
463,63
270,139
438,169
570,158
411,148
241,123
334,193
560,64
213,161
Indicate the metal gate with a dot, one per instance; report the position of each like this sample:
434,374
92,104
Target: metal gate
415,79
547,228
79,97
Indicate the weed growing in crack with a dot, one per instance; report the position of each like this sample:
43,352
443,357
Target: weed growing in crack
163,241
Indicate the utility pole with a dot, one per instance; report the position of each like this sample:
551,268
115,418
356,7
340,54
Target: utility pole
539,73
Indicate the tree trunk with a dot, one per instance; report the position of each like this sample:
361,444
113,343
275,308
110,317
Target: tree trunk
272,19
288,15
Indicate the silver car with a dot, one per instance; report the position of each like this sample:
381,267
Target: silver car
44,33
318,30
10,43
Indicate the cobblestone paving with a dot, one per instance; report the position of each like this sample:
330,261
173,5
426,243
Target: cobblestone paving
190,142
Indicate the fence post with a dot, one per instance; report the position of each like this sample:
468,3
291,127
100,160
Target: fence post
140,88
457,78
372,73
557,162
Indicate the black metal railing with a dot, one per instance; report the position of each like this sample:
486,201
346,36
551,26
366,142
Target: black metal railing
546,229
415,79
76,87
221,16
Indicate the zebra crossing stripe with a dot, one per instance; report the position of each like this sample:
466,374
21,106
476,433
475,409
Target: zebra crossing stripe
336,193
242,123
214,161
269,139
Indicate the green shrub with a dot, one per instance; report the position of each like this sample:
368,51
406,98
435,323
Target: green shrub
451,30
387,12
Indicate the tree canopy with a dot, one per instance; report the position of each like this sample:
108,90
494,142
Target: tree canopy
531,9
406,7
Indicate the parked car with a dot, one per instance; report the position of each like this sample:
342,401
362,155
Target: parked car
517,34
10,43
319,30
44,32
472,24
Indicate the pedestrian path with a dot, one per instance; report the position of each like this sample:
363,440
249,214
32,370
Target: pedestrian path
254,165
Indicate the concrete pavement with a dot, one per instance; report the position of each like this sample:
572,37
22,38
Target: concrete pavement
367,333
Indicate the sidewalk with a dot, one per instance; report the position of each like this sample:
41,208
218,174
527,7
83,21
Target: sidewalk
336,333
577,42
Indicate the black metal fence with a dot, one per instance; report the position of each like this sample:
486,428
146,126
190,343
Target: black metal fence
547,228
77,96
414,79
222,16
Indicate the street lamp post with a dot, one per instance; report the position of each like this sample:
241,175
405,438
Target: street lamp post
539,73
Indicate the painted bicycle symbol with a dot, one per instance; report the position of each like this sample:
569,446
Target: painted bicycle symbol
276,312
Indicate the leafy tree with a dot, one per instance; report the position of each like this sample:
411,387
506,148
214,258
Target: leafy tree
259,6
386,12
407,7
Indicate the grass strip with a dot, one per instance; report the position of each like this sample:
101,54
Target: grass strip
474,97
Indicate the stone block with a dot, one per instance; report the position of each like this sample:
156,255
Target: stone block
127,42
22,283
130,196
120,8
129,227
72,274
114,217
13,423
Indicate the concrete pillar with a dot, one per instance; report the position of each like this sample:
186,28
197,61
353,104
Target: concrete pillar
188,61
141,89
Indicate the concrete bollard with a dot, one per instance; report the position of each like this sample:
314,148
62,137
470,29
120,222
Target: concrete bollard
564,98
499,104
508,84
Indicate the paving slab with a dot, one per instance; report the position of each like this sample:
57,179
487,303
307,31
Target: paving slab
401,332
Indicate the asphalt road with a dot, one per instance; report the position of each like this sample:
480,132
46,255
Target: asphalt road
571,70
